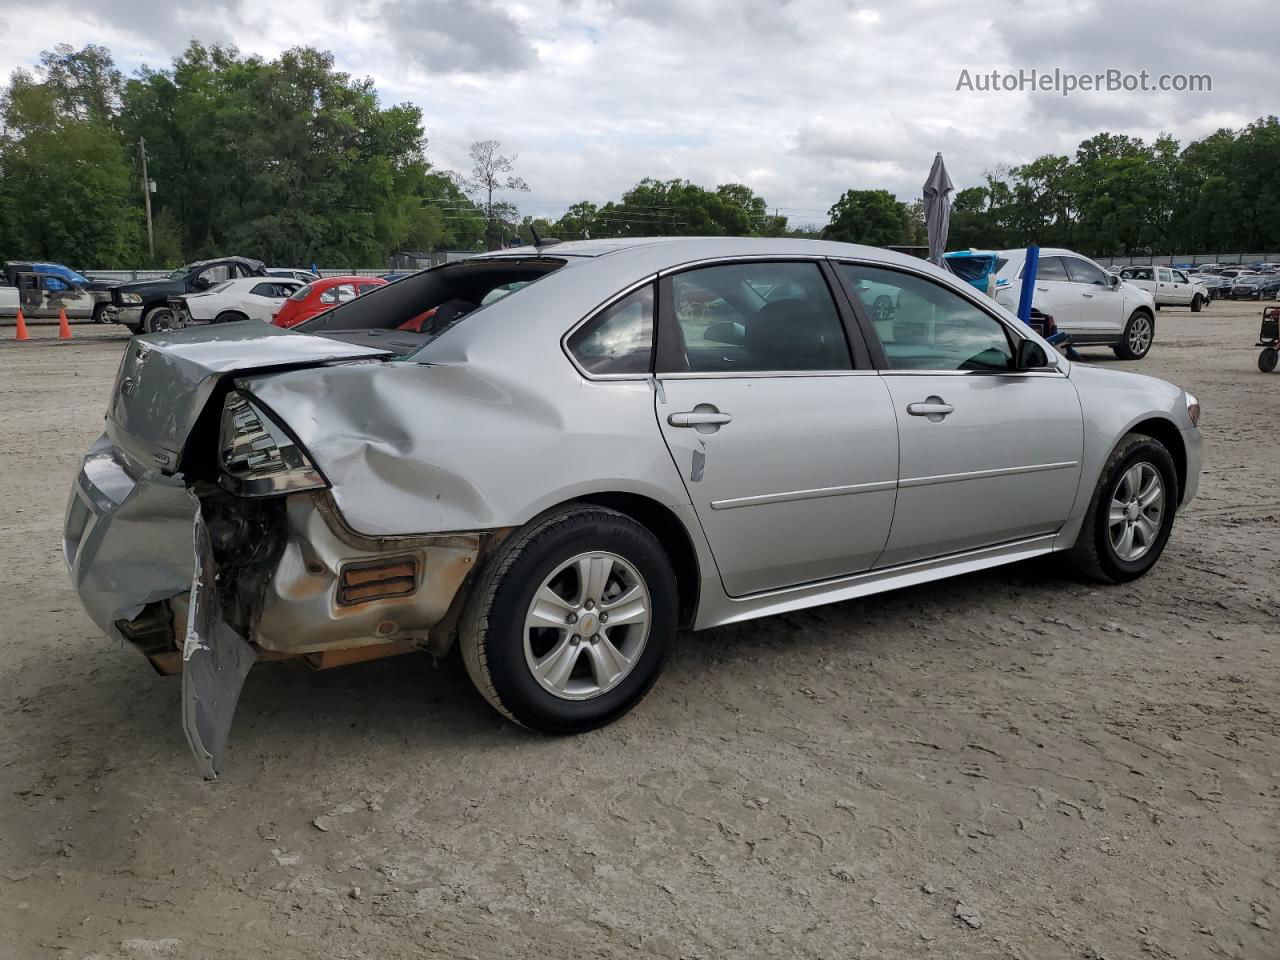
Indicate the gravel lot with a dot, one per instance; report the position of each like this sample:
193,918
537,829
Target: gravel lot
1009,764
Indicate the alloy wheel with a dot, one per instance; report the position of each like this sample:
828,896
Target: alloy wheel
1137,508
1140,335
587,625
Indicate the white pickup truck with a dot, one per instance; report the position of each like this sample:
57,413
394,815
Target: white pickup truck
1170,287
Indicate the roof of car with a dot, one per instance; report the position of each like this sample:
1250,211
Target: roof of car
684,249
324,283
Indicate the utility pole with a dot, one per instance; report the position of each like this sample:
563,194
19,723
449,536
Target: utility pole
146,198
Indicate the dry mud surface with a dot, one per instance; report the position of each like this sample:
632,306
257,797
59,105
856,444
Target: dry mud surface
1008,764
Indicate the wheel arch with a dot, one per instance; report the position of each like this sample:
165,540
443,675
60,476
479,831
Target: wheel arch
671,532
1167,432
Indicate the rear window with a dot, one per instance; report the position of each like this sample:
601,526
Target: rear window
430,302
303,293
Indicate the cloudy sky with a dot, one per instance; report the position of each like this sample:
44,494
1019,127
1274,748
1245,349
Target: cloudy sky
800,99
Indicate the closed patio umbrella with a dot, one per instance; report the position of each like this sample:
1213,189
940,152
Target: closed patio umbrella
937,208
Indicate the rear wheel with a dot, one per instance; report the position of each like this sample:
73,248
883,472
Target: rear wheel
229,316
1131,513
570,622
1139,333
1267,359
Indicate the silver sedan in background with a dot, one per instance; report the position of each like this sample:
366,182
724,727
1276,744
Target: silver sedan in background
557,456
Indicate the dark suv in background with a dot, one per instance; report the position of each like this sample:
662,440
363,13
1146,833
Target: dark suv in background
143,306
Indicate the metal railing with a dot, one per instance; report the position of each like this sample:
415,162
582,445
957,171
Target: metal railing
1190,258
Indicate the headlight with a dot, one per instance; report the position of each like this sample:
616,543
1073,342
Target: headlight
130,298
1193,407
258,457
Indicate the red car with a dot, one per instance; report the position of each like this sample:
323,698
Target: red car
319,296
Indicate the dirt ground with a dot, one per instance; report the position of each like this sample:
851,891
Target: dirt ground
1008,764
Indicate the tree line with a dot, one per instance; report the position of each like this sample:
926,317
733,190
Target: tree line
296,162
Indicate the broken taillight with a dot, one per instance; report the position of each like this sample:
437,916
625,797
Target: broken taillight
258,457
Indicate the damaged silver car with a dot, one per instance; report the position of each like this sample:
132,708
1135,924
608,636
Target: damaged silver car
557,456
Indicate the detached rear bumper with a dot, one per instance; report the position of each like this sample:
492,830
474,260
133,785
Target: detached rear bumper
209,583
126,538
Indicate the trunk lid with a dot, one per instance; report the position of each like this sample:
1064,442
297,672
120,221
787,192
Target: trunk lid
166,379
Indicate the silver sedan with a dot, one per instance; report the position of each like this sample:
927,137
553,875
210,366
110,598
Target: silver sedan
558,456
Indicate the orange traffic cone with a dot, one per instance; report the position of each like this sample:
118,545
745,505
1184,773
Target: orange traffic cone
22,326
64,328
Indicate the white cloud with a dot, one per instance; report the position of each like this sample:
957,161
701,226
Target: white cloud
800,99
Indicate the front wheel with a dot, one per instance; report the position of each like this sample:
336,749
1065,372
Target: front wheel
1267,359
1139,333
1131,513
100,313
571,621
1197,303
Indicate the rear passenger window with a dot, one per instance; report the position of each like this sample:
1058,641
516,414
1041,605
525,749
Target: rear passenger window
924,326
1051,268
618,339
756,318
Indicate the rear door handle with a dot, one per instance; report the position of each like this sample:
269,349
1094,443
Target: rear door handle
699,418
935,408
1089,295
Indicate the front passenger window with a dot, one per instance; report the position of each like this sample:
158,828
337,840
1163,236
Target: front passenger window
929,327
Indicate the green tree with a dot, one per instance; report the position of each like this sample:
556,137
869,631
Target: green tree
65,185
874,217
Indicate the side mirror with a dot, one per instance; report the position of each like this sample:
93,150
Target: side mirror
1114,280
1030,356
726,331
201,283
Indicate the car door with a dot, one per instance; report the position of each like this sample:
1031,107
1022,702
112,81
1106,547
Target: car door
987,454
1166,294
266,297
1055,294
1182,288
61,294
784,435
1101,311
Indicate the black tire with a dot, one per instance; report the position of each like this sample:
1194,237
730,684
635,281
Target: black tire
492,630
1267,359
157,319
1129,347
1094,556
229,316
883,308
1197,303
99,313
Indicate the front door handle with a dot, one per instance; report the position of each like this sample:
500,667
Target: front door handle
1043,289
699,418
935,408
1087,296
